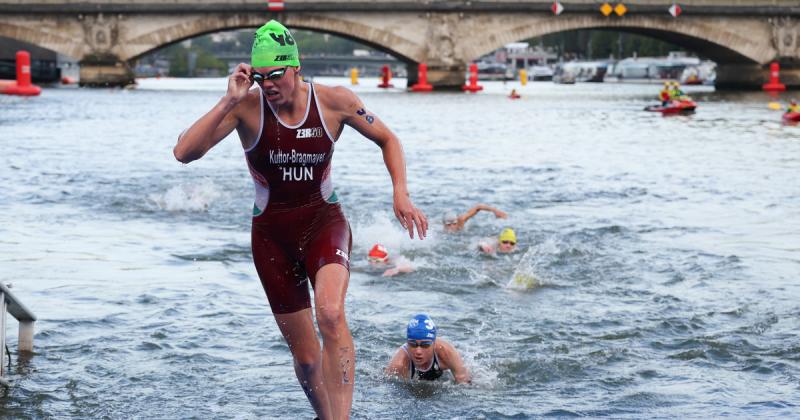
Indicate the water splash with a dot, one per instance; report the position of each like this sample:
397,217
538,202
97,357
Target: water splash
181,198
528,275
384,229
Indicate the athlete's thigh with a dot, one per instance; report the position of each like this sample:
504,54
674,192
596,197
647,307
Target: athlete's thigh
330,287
330,244
282,276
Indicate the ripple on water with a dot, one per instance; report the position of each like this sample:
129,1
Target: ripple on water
229,253
536,370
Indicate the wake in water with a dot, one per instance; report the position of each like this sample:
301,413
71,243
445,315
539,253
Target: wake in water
525,277
535,267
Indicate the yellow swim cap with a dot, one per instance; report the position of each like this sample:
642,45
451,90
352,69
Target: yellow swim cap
507,235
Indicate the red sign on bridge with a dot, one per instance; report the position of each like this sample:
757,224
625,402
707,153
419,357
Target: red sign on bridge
557,8
275,5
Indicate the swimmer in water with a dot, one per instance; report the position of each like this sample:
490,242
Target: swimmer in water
379,257
426,357
505,243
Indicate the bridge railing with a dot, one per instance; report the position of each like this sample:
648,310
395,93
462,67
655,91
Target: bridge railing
9,303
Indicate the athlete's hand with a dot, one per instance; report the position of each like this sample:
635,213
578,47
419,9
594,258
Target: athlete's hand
239,82
410,216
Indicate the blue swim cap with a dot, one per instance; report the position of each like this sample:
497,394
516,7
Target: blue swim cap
421,327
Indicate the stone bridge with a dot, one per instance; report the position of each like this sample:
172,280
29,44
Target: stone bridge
742,36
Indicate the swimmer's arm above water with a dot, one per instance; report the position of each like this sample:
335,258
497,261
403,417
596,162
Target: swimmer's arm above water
482,207
450,358
398,366
488,246
401,265
220,121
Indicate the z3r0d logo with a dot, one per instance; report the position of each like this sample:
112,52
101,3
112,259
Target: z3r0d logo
307,133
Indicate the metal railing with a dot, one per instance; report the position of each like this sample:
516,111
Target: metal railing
10,303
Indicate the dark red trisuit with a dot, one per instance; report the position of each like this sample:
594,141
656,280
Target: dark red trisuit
298,224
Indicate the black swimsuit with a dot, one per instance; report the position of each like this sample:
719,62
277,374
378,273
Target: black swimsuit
431,374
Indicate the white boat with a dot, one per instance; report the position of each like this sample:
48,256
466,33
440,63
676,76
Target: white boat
540,73
562,75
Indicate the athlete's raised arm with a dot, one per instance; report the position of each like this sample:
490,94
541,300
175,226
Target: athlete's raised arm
353,113
217,123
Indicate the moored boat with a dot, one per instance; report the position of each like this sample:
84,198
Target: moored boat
791,117
675,107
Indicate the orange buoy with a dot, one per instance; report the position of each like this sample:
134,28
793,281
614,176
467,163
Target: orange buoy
774,84
473,85
386,76
23,86
422,84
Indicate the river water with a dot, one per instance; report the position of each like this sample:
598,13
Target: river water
666,253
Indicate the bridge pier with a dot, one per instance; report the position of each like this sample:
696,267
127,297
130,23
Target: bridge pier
105,71
753,76
442,77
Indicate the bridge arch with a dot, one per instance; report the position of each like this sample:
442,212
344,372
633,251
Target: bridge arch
380,39
60,44
724,44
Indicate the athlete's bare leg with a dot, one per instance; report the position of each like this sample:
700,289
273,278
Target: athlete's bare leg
298,330
338,353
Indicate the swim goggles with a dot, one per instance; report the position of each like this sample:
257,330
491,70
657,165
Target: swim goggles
272,76
415,343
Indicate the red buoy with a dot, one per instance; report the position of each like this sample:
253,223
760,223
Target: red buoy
473,85
23,86
386,76
774,84
422,84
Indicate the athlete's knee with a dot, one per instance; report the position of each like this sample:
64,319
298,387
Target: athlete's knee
307,368
305,357
330,319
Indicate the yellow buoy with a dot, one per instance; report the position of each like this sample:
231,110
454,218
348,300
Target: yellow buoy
523,77
354,76
775,106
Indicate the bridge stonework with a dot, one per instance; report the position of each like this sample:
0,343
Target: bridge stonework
107,36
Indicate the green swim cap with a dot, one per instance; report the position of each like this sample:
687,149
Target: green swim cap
273,45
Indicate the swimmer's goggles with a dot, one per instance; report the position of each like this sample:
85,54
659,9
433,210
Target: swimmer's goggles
272,76
419,343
